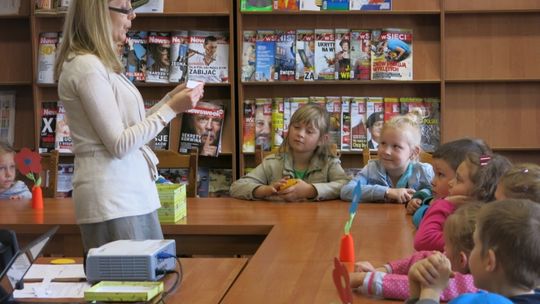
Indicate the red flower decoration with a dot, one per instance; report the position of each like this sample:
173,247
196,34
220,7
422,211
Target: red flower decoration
28,161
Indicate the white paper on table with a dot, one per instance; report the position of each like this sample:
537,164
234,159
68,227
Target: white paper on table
47,271
52,290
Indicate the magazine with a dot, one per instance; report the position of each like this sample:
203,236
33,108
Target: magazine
64,184
285,55
248,144
343,55
335,5
157,58
277,121
305,55
345,123
63,142
370,5
256,5
324,54
310,5
358,124
265,53
285,5
208,56
360,54
161,141
429,111
202,127
179,56
333,106
248,55
391,54
374,120
46,56
263,123
135,55
150,6
47,133
7,116
391,107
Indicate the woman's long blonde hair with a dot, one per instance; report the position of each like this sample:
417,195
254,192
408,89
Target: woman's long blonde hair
88,30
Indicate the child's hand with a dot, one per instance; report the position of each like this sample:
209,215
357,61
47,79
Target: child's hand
399,195
413,205
15,197
299,191
363,266
432,272
356,279
264,191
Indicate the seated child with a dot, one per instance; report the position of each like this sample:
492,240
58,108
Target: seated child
391,281
476,179
446,159
504,259
9,187
304,156
396,175
521,181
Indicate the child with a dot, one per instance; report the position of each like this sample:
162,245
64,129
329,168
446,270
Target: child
476,178
396,174
9,187
304,156
446,159
391,281
522,181
504,259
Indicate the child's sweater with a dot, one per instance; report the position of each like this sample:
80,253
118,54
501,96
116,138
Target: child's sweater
429,235
19,188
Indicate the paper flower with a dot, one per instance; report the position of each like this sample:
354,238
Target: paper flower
29,164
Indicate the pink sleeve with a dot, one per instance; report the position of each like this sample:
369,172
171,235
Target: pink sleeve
429,235
396,286
402,266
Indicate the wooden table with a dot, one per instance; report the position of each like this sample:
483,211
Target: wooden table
293,244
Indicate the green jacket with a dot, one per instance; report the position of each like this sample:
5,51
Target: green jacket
326,176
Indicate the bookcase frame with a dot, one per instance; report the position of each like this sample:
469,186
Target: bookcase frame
478,99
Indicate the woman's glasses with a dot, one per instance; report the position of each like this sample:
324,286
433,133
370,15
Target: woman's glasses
125,11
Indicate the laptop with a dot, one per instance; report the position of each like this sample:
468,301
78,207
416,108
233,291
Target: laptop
12,276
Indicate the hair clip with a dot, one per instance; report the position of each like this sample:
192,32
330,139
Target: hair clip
484,160
525,170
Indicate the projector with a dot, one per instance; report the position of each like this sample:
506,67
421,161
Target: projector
129,260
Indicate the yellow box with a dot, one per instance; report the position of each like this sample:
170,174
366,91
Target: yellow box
123,291
173,202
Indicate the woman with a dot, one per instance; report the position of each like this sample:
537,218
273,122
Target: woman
113,185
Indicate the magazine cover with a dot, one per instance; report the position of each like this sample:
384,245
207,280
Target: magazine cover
46,56
47,132
296,103
324,54
345,123
310,5
370,5
220,182
256,5
375,120
305,55
263,123
333,106
248,55
265,49
157,60
208,56
360,54
391,107
343,54
161,141
202,127
335,5
286,5
358,124
277,121
204,181
429,110
248,144
179,56
392,54
285,55
7,116
135,54
63,142
64,182
286,115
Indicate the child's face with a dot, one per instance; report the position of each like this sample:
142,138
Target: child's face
7,171
394,150
444,173
461,184
454,255
477,264
499,193
303,137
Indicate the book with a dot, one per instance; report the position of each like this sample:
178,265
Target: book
305,55
248,55
429,111
335,5
310,5
157,59
345,123
248,143
220,182
370,5
392,54
333,107
343,55
46,57
161,141
202,127
360,54
135,55
7,116
208,56
277,121
286,5
324,54
256,5
358,124
179,56
265,53
285,55
63,142
47,132
263,123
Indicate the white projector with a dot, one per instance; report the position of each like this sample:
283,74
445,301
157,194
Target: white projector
128,260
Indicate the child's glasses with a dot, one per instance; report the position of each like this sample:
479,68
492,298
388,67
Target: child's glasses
125,11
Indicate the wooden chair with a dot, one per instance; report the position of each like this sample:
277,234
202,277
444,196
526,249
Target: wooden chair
171,159
49,173
260,154
368,154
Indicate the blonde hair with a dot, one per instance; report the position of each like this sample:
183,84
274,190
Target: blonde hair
459,227
5,148
522,181
311,115
88,30
409,124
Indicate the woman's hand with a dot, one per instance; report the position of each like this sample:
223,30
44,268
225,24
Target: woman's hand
183,99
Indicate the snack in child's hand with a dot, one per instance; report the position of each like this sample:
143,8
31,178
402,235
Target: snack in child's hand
288,183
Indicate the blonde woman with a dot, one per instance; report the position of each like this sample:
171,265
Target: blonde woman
113,185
